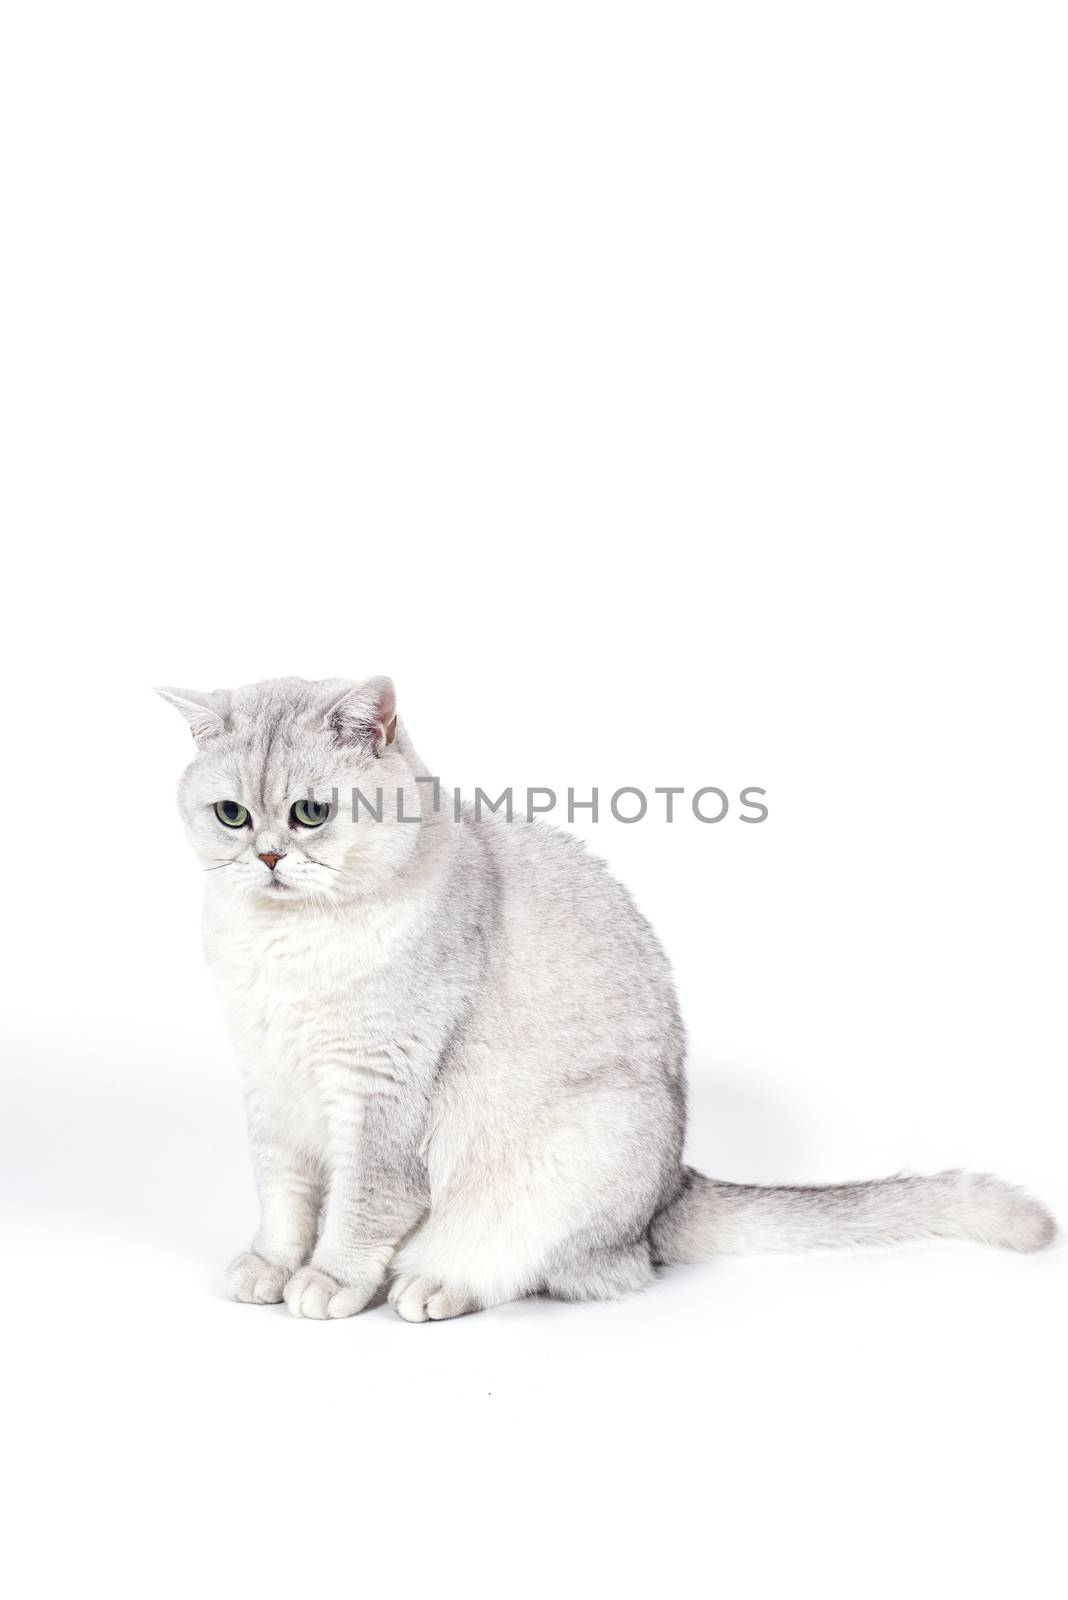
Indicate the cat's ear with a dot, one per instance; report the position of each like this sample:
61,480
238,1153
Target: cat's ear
366,714
201,711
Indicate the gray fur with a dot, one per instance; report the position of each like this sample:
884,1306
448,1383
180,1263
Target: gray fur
462,1054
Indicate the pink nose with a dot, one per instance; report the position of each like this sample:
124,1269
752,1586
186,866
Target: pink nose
271,859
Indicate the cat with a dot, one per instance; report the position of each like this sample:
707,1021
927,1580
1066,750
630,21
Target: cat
462,1055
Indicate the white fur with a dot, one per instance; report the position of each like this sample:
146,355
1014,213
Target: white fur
462,1055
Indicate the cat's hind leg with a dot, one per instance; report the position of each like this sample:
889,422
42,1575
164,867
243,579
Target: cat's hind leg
563,1211
601,1274
419,1299
470,1254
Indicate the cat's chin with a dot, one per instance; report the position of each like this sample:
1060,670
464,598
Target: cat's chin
279,891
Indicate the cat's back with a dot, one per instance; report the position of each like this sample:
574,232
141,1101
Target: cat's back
552,876
576,950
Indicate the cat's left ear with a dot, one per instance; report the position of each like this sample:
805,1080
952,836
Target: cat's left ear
205,713
366,714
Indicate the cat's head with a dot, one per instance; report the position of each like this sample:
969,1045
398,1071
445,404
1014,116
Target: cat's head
267,801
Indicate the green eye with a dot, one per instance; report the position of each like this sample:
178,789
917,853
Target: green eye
310,813
230,814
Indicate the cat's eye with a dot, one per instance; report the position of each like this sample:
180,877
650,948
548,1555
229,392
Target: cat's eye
310,813
231,815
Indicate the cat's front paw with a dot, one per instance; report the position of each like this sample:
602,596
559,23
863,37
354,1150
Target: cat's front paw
315,1294
255,1281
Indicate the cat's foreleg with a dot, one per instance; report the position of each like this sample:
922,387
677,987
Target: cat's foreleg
376,1194
290,1196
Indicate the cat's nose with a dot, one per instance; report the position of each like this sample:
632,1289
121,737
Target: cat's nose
271,859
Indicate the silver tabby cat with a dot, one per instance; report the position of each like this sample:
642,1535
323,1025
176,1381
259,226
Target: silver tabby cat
462,1055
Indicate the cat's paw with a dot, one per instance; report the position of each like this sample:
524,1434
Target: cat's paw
255,1281
315,1294
422,1300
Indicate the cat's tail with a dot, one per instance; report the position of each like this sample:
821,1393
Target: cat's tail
708,1218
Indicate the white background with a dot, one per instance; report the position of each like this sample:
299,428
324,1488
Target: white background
661,394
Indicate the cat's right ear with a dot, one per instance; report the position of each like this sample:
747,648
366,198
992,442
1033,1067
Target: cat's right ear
199,710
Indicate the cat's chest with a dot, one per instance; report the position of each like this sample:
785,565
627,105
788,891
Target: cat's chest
301,996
